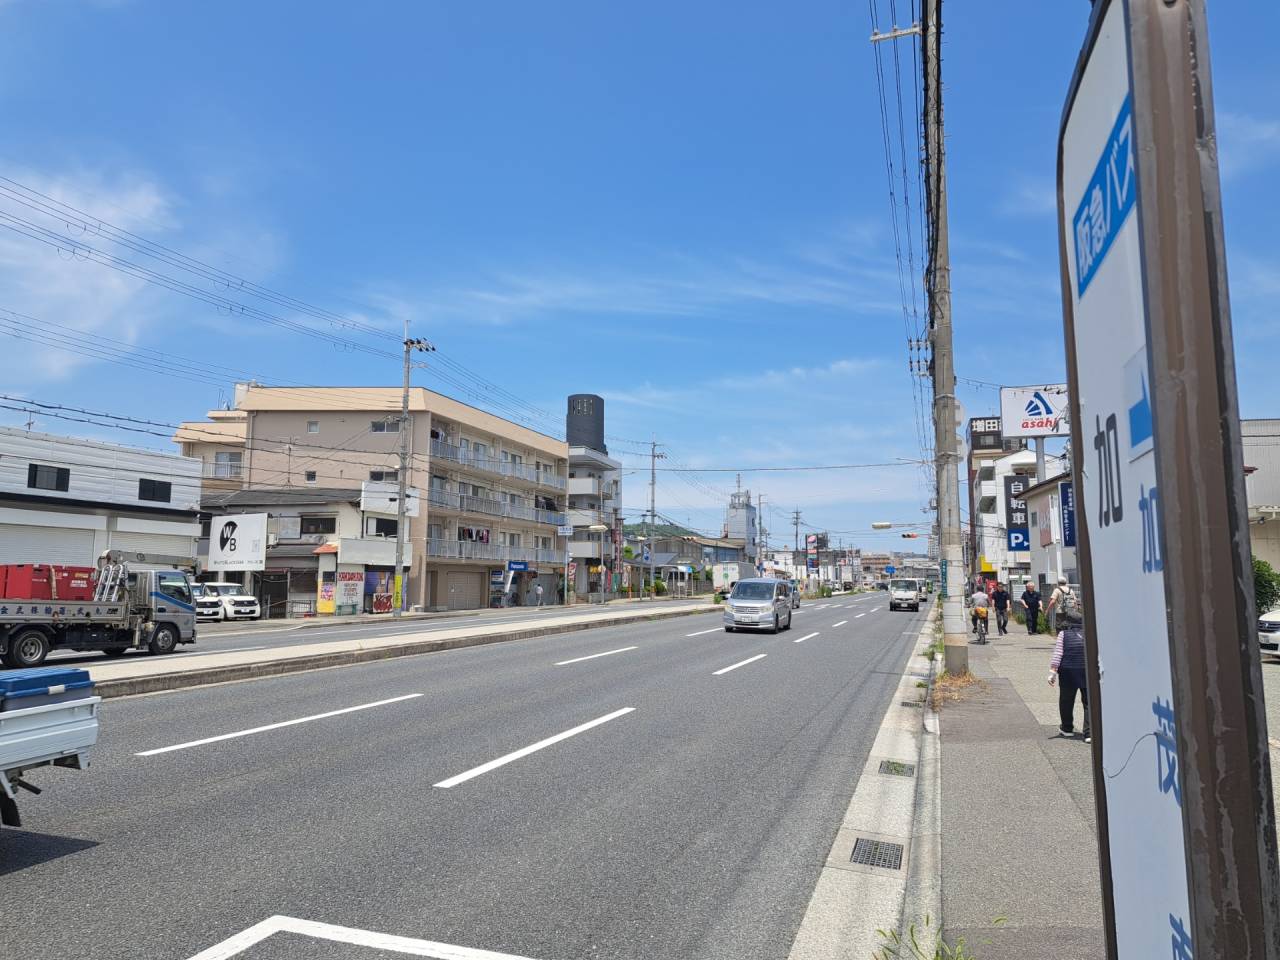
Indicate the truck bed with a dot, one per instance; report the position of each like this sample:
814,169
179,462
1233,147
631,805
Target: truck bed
38,735
62,611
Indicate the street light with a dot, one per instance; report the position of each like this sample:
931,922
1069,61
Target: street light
600,528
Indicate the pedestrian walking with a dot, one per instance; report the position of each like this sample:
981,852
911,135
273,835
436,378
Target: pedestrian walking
1031,602
1067,671
1060,594
1000,600
538,592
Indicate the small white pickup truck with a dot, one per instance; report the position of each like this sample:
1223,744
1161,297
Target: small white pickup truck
48,718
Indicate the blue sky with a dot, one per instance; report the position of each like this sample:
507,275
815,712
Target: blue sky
681,206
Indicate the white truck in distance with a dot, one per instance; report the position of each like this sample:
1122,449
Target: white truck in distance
725,575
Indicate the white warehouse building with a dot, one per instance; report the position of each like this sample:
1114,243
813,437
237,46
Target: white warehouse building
66,500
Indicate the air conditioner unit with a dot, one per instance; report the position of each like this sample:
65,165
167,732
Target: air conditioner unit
272,539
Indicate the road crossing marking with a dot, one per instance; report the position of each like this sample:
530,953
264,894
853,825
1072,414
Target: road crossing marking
742,663
259,932
532,748
807,636
607,653
701,632
840,624
274,726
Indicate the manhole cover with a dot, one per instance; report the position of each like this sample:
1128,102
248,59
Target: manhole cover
898,768
877,853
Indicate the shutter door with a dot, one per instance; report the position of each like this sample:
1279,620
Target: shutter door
465,590
155,544
20,543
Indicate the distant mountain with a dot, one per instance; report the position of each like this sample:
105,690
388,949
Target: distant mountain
658,530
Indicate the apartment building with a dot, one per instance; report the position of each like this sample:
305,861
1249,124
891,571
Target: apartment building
1001,523
490,493
594,499
987,443
67,499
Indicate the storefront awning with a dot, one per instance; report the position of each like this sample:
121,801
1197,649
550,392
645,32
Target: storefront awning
326,548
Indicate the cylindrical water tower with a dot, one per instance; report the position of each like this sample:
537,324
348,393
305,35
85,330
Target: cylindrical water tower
584,422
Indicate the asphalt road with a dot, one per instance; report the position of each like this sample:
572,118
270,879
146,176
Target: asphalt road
521,798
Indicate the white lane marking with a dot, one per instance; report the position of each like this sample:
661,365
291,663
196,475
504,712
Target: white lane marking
835,605
807,636
254,935
532,748
607,653
274,726
758,656
857,615
840,624
874,609
822,606
701,632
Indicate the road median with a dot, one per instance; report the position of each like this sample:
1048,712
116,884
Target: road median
153,675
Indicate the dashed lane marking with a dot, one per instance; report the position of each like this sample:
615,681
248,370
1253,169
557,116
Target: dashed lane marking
532,748
741,663
840,624
807,636
701,632
274,726
607,653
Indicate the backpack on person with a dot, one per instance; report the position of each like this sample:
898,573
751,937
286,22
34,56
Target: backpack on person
1069,607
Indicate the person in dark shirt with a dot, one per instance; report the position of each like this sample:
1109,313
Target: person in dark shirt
1031,601
1000,599
1067,670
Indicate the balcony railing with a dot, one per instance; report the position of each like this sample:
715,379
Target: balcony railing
501,468
222,471
466,550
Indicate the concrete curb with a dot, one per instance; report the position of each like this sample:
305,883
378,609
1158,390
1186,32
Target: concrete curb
922,900
133,686
853,905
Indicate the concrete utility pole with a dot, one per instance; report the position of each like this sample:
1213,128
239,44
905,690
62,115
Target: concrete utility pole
402,475
654,457
938,284
795,520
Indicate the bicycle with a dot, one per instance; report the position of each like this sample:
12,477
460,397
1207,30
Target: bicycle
981,614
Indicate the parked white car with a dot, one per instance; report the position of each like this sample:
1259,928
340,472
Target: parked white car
1269,630
225,601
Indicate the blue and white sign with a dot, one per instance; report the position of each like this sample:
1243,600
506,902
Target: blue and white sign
891,570
1106,200
1037,411
1016,517
644,553
1067,498
1114,506
517,565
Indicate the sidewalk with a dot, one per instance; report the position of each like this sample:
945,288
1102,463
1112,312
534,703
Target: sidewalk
1018,821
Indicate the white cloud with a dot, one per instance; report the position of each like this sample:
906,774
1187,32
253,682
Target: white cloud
1245,143
1030,197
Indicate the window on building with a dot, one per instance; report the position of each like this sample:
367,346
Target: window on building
544,543
227,464
40,477
381,527
513,539
388,425
385,475
310,476
1034,520
312,525
313,426
158,491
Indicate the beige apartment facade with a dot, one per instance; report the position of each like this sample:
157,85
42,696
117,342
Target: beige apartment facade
489,493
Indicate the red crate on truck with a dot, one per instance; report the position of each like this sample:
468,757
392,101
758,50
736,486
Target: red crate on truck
73,583
28,581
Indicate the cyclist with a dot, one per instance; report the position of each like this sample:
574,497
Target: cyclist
979,615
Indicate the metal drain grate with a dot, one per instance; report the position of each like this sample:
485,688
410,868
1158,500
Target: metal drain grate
877,853
898,768
913,703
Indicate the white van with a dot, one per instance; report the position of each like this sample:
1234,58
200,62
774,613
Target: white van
903,594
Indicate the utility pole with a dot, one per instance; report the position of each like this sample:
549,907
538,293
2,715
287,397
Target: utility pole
795,520
402,475
654,457
938,287
764,534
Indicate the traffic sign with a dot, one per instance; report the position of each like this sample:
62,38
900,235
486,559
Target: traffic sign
891,570
644,553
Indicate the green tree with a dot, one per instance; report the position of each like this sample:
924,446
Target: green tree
1266,585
